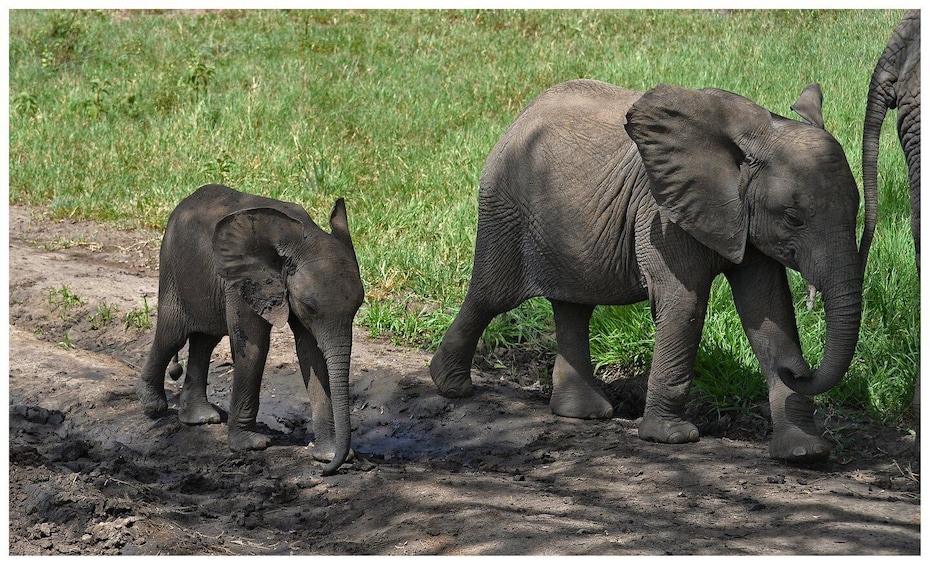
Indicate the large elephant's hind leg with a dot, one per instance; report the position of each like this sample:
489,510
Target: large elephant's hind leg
575,391
194,407
450,367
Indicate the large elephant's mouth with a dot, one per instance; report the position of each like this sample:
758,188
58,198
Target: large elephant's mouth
811,296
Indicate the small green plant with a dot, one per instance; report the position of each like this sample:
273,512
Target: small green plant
103,315
25,104
63,300
219,167
140,318
66,342
98,102
197,74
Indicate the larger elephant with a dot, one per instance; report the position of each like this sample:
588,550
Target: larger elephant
895,83
601,195
237,264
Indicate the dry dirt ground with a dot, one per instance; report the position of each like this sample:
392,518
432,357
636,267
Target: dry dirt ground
493,474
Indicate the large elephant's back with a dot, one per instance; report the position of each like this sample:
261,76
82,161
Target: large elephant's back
568,173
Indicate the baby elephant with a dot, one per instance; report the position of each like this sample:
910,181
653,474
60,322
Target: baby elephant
237,264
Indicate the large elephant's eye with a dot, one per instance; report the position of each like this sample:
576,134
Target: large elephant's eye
794,218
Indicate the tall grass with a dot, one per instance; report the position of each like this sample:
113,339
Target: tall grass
117,115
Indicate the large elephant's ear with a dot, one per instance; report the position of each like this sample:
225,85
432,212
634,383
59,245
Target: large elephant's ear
249,250
810,105
697,172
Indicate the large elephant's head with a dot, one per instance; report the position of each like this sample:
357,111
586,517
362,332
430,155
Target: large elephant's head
286,269
731,173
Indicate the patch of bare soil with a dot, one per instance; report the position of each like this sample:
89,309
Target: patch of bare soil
493,474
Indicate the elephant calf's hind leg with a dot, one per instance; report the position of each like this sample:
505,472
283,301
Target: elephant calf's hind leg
194,408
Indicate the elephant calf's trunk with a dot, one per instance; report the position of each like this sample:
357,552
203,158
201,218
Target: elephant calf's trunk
337,360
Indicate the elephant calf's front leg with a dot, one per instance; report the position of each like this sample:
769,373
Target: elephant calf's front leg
249,354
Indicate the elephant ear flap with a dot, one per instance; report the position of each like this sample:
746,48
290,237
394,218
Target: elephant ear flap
810,105
250,248
697,172
339,224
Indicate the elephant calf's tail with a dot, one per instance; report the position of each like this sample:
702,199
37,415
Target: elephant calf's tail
175,370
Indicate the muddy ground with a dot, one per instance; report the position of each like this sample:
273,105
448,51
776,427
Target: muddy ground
493,474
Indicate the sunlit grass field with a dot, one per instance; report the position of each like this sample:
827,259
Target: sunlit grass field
117,115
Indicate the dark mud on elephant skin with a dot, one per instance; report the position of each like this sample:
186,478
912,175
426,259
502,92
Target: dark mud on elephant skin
493,474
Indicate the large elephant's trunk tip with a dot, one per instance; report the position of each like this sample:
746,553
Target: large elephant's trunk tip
333,466
794,371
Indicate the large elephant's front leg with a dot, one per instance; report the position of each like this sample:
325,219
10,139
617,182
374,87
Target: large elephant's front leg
763,301
575,391
678,311
250,337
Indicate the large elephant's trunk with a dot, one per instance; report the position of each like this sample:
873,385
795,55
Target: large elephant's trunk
875,110
337,362
843,310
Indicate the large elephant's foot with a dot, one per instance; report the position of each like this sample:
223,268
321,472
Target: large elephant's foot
667,429
796,437
452,376
245,440
796,446
325,454
575,396
154,401
195,412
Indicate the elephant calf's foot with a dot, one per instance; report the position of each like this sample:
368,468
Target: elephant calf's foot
245,440
797,446
451,382
197,413
154,401
667,430
580,399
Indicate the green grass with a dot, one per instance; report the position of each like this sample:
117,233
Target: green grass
118,115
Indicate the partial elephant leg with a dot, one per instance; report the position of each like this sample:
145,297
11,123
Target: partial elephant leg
679,318
763,301
316,378
250,337
168,341
575,391
450,367
194,407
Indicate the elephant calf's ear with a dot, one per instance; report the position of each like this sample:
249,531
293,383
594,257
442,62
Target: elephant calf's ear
810,105
249,250
339,223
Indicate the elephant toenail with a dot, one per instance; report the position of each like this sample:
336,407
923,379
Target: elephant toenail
799,451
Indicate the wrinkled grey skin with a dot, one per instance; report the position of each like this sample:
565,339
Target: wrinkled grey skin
237,264
601,195
895,83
